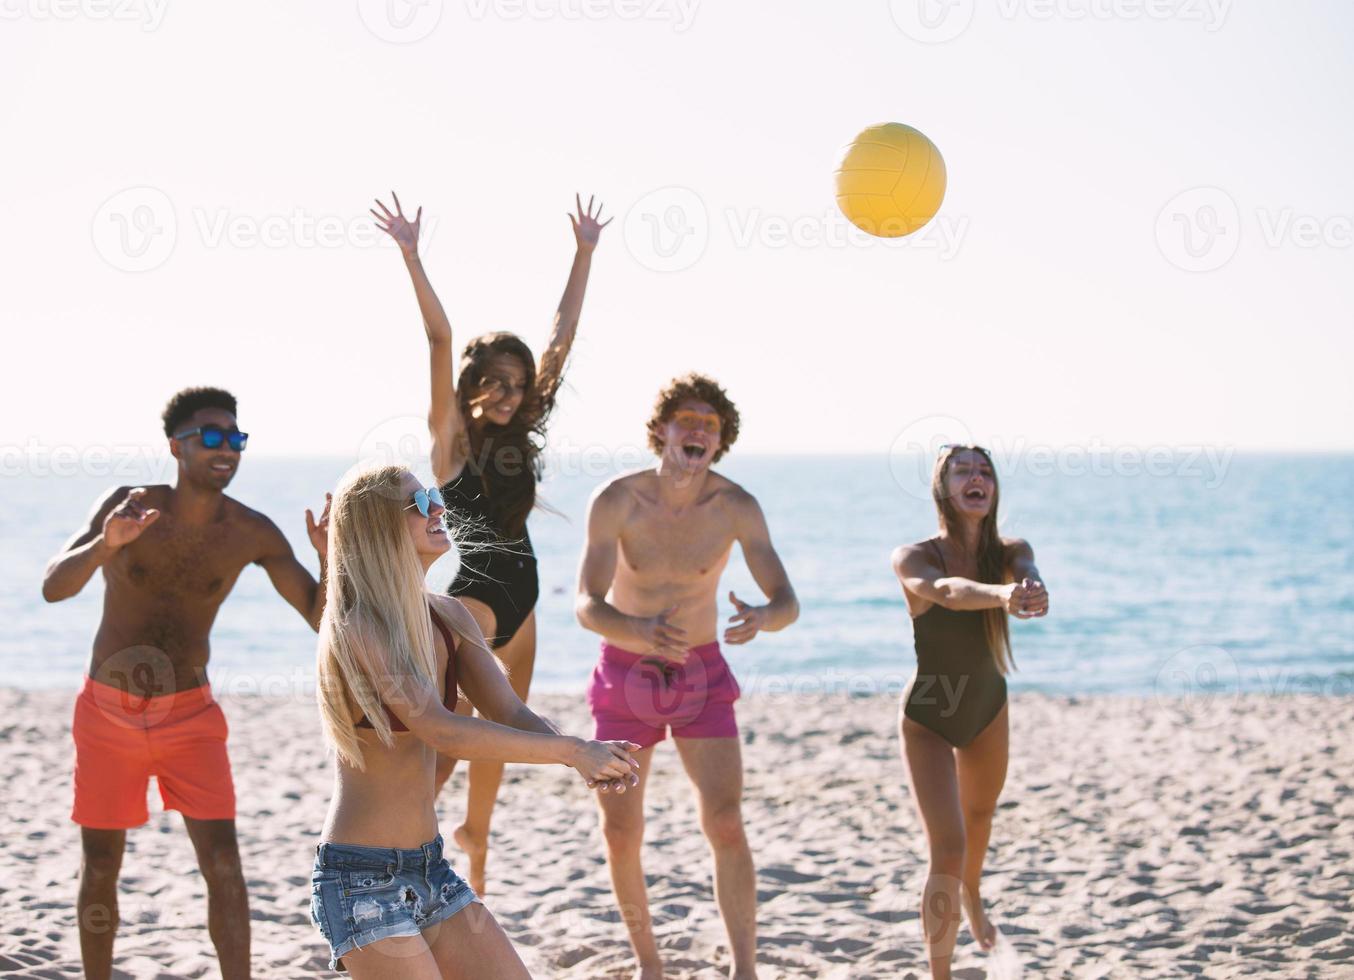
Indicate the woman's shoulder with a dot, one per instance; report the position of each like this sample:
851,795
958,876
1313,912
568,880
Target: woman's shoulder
456,617
918,551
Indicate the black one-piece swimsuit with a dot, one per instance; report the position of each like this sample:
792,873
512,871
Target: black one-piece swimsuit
496,569
958,690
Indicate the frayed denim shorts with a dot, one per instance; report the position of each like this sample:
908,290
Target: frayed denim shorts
360,895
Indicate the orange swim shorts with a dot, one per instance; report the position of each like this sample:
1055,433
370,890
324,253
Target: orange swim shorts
122,739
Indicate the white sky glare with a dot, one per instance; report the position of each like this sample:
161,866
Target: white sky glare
1146,238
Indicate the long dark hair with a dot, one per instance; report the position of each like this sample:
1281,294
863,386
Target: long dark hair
991,553
507,458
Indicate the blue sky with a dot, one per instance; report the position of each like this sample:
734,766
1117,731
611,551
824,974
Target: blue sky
1146,239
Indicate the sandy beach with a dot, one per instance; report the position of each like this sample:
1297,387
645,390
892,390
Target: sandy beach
1135,838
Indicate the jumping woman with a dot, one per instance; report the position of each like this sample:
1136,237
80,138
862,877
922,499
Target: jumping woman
391,659
488,422
960,586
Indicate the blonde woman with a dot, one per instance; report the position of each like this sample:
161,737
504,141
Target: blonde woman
391,657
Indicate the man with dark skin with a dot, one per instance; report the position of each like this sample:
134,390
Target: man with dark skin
170,555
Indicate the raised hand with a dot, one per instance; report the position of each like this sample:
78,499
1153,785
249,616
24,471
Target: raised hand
587,226
664,638
126,522
747,621
318,531
397,226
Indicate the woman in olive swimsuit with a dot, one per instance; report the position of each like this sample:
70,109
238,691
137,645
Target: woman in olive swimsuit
960,586
487,422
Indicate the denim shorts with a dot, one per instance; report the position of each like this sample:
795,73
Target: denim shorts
359,895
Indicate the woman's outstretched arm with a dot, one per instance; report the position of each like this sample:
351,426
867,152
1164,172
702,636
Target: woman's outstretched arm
445,423
587,230
919,574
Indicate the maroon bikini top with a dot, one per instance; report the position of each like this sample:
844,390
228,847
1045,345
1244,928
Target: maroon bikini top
449,684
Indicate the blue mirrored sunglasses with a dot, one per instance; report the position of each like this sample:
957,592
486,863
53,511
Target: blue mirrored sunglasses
424,500
213,436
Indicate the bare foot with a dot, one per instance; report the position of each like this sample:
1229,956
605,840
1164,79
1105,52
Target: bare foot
653,971
984,932
477,850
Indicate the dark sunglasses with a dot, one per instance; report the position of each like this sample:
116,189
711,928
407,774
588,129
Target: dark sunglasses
424,499
213,436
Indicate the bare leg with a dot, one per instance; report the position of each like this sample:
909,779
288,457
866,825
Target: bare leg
97,905
484,619
218,856
401,958
623,828
935,787
471,945
982,774
518,656
715,765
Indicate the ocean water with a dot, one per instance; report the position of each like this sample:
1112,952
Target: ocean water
1235,576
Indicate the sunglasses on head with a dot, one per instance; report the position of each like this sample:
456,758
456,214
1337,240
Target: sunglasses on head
954,447
424,500
213,436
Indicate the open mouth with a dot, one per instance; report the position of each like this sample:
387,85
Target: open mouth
223,467
436,529
693,450
977,494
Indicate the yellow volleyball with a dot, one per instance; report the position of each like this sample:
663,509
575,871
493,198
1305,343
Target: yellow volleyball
891,180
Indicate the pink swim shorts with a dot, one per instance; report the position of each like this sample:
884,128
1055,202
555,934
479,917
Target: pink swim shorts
638,697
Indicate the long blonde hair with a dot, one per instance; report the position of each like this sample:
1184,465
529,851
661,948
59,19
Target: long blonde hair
991,552
376,600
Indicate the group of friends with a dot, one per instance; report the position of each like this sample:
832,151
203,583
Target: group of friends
410,681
